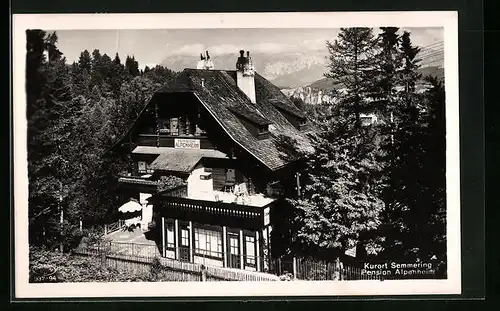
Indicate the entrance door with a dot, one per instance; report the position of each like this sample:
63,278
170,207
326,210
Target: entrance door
184,245
234,251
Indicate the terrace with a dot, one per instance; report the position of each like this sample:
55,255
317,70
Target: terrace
221,208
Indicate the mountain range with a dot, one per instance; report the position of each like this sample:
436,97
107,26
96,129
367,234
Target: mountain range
297,74
319,91
286,70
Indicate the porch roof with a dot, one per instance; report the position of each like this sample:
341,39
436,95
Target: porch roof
179,160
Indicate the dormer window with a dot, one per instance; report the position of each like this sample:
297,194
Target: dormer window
263,129
295,116
253,121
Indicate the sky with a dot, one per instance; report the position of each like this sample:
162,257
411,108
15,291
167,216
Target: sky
151,47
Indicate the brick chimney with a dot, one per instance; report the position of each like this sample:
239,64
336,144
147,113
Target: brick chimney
245,73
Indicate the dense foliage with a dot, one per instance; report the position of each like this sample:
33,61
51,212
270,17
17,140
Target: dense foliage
76,113
378,187
74,268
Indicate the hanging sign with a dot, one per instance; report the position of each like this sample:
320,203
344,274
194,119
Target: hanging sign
351,252
187,143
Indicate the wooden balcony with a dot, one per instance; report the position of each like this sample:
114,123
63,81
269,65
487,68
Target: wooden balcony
174,203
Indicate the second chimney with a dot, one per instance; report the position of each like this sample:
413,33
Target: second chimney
245,74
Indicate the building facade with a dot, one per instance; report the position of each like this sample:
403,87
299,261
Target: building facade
219,131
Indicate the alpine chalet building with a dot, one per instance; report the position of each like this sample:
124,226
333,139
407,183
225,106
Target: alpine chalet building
220,131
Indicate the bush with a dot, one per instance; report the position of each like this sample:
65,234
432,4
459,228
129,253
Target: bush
75,268
286,277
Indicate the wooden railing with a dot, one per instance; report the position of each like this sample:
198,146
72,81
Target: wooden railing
214,208
112,227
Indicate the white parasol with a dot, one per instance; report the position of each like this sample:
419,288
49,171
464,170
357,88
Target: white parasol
130,207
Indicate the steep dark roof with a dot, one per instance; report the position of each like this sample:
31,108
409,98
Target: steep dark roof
250,116
221,96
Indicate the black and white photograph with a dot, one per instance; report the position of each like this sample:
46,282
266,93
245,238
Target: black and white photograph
312,158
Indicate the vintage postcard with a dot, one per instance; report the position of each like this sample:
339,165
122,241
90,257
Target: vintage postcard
255,154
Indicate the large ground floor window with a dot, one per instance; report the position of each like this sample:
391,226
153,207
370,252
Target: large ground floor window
250,250
208,242
169,236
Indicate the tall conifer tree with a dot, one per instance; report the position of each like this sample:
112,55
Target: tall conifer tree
340,205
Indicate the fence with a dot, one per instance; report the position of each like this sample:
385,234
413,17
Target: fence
137,258
109,228
311,270
188,264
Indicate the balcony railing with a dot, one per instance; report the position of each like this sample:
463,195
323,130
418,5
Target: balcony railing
174,203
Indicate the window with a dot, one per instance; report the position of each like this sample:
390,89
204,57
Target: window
208,242
142,166
263,129
250,250
169,238
184,237
206,176
182,125
233,246
174,126
230,176
164,126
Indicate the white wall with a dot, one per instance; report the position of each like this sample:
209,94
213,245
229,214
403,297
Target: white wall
246,84
147,210
198,188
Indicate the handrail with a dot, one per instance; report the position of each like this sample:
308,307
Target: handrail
215,204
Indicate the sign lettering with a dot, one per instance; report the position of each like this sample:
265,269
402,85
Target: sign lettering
187,143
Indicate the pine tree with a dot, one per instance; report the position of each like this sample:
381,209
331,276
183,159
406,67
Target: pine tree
386,75
49,111
351,65
434,231
132,66
80,74
117,60
414,158
85,61
117,76
96,69
340,205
